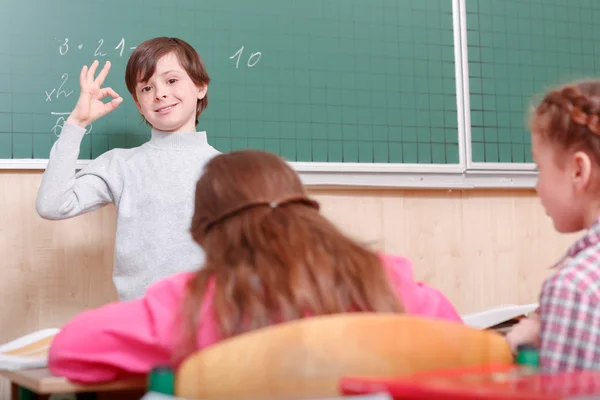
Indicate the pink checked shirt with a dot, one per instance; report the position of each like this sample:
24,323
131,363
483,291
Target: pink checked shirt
570,308
130,338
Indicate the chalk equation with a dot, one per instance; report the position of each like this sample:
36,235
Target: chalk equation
65,45
56,92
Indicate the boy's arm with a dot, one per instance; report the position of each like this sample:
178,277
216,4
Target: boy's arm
65,194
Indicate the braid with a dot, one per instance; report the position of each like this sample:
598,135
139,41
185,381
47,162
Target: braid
569,116
580,108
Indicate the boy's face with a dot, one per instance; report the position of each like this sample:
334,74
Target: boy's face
168,100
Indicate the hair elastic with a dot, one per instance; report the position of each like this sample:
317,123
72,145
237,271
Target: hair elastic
253,204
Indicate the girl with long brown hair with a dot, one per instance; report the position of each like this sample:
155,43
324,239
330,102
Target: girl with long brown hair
271,257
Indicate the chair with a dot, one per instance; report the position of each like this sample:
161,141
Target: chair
307,358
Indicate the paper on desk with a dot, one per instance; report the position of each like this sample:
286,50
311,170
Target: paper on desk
495,316
27,352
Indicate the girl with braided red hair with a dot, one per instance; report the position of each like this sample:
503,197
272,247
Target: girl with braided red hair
565,130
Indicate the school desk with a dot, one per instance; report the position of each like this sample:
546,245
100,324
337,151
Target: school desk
37,384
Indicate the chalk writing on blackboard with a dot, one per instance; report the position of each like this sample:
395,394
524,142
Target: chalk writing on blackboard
57,128
254,56
64,46
57,92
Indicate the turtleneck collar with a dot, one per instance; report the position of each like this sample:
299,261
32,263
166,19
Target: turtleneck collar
177,140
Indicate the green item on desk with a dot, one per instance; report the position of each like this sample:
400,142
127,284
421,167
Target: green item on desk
162,380
26,394
528,355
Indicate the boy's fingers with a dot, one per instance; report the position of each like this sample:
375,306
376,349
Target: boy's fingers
107,92
112,105
92,71
83,75
103,73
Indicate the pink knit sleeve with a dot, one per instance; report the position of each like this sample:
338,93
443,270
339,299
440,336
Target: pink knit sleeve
120,339
418,298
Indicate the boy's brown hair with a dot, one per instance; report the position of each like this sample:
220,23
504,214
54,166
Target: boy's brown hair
272,255
569,116
142,64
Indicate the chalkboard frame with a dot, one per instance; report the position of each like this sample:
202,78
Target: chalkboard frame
464,175
523,174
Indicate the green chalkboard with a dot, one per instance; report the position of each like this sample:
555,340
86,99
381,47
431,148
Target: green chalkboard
517,49
312,80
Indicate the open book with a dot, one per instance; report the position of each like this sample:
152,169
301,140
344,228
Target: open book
27,352
498,318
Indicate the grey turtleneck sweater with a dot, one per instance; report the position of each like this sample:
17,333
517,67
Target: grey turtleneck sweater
152,187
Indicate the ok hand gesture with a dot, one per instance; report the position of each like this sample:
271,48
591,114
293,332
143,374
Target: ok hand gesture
89,106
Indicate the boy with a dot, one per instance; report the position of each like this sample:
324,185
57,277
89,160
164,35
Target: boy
152,186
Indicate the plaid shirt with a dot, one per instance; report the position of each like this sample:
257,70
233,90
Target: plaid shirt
570,308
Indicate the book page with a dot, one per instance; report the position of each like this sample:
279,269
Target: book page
29,351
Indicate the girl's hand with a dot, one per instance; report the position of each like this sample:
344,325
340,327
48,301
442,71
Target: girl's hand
526,331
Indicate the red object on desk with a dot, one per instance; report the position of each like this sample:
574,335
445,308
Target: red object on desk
500,382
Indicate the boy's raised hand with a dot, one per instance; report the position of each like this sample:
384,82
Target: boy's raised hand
89,105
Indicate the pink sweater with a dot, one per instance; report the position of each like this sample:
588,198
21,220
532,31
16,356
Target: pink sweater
130,338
